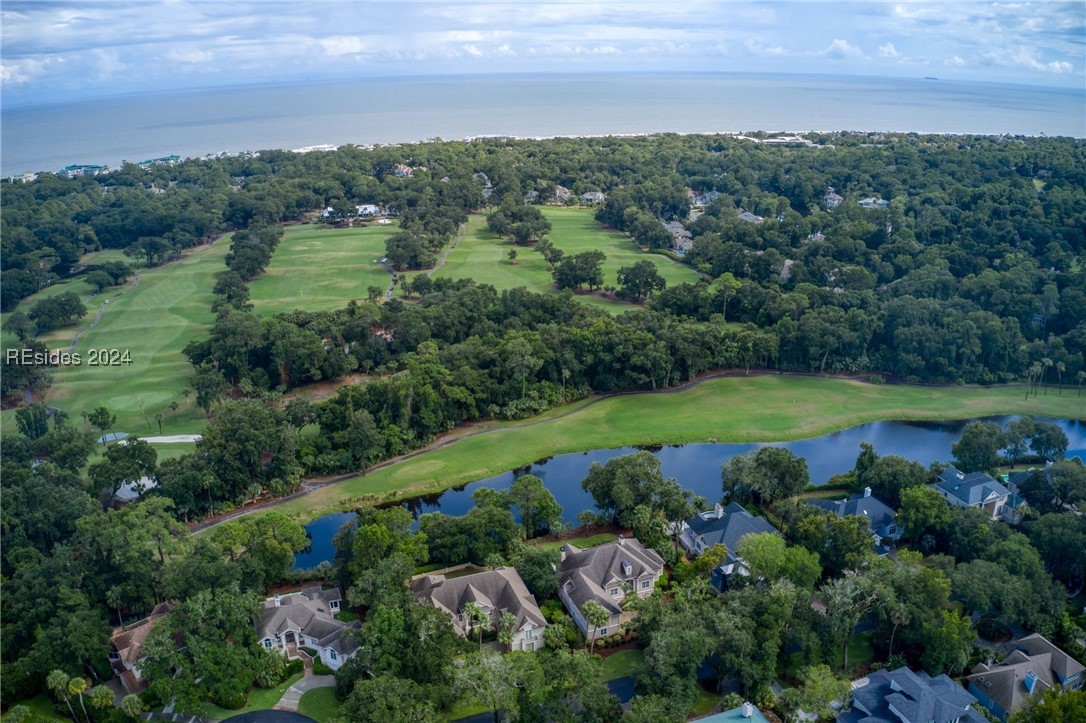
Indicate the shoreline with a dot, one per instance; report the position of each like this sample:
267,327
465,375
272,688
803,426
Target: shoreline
446,463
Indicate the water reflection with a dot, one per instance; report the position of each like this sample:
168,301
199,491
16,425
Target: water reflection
697,466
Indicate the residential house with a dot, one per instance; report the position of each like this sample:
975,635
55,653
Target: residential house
977,489
609,574
681,241
722,526
704,199
125,648
750,218
496,591
531,196
368,209
83,169
816,236
307,619
132,491
877,513
593,197
1032,668
561,193
402,171
910,697
872,202
832,199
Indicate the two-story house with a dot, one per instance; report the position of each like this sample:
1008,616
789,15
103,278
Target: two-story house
878,514
611,574
496,591
722,526
125,648
976,489
1032,668
307,619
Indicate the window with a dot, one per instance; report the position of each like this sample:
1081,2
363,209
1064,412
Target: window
602,631
529,633
614,592
332,655
335,604
267,645
645,584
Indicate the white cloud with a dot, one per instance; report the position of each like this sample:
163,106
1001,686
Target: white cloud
192,56
1028,58
473,51
756,48
842,50
889,51
342,45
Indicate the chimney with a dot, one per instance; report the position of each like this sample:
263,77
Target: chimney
748,710
867,491
718,509
562,552
276,599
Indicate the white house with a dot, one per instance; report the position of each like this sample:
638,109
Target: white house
306,619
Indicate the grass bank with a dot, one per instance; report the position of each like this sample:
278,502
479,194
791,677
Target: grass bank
317,268
731,409
483,256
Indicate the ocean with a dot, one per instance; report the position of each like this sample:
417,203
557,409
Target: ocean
396,110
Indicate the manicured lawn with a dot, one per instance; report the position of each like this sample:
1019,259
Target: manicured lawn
581,542
733,409
259,699
316,268
170,307
621,664
320,704
705,703
41,708
484,257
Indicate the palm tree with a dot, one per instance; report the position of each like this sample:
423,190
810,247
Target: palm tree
101,697
898,616
57,682
1080,378
506,631
1060,369
1047,365
477,618
76,686
586,518
132,706
596,616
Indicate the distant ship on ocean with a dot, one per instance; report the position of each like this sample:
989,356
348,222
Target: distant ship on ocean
930,77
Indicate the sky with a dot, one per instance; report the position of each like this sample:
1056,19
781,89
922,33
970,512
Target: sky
58,51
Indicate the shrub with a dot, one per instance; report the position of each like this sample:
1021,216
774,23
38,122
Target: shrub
294,667
233,701
617,639
310,652
320,668
550,609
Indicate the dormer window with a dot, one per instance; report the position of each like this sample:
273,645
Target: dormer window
614,592
627,568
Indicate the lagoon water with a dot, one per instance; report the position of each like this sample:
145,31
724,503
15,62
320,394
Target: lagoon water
697,467
394,110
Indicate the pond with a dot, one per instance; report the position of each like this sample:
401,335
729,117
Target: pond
697,467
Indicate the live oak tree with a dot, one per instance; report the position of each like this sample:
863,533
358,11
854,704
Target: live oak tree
386,698
769,474
639,280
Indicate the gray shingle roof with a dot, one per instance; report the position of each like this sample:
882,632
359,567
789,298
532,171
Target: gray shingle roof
914,697
1006,682
972,489
499,590
873,509
729,529
309,612
584,574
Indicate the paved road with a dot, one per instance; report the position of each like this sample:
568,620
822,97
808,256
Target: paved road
294,693
172,438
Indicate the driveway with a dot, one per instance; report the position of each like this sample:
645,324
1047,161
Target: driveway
294,693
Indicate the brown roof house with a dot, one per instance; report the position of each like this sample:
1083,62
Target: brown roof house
307,619
125,644
1032,668
496,591
609,574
